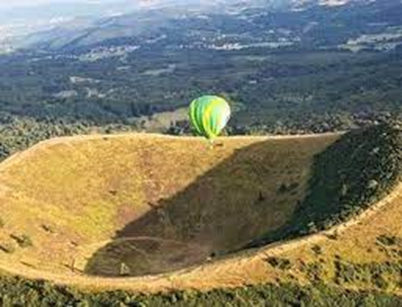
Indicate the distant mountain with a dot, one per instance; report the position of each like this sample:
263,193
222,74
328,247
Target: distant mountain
317,22
27,26
219,24
18,22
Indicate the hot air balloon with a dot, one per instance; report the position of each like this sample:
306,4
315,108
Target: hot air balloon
209,115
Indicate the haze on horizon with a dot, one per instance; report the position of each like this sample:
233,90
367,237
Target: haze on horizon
31,12
34,3
20,17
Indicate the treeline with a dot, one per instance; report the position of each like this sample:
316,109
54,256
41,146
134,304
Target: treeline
304,125
355,172
15,291
20,133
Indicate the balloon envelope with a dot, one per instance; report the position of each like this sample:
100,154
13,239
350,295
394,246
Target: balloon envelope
209,115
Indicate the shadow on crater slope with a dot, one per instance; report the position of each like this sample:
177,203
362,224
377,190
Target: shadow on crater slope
253,191
356,171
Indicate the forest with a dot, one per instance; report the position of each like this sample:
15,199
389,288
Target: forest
15,291
270,92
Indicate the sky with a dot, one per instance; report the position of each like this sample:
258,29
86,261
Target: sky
11,4
20,3
7,4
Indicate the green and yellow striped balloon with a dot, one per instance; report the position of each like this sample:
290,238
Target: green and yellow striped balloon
209,115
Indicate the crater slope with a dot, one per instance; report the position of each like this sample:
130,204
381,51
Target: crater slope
141,204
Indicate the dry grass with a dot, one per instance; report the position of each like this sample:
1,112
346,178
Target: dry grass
91,191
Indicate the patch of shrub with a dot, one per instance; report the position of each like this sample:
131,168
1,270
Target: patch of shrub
346,273
279,263
23,241
314,271
370,273
317,249
48,228
332,236
8,248
286,188
380,281
388,240
2,223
